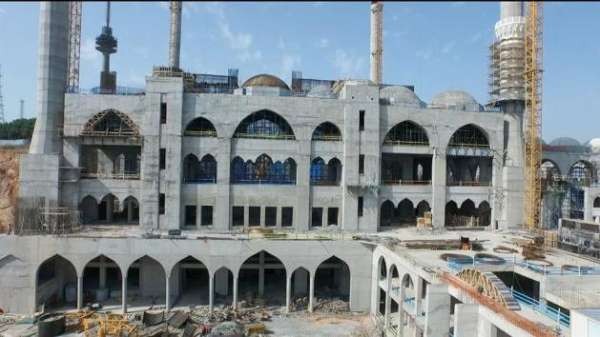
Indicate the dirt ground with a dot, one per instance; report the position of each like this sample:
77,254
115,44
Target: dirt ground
318,325
9,189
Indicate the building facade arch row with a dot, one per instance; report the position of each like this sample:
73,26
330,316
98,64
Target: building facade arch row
243,126
99,120
163,261
77,265
84,261
243,258
327,157
402,265
173,261
276,156
461,199
408,122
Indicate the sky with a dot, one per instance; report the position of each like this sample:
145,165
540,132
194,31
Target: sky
433,46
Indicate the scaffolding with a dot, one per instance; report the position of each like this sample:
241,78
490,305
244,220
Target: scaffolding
406,133
39,216
533,111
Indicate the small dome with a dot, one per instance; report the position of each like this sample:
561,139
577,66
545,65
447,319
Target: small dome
321,91
455,99
265,80
565,141
400,95
594,145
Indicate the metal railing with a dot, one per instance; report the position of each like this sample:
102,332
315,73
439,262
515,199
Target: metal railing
469,183
405,182
458,264
118,175
327,138
200,133
556,314
200,180
264,136
264,181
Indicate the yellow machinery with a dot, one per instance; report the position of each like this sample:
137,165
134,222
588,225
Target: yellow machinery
533,115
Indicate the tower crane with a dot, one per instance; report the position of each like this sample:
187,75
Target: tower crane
533,115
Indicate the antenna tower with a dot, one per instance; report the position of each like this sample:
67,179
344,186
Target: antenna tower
74,45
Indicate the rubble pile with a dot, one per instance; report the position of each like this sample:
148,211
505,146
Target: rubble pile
331,306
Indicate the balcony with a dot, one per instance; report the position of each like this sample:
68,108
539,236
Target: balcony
126,175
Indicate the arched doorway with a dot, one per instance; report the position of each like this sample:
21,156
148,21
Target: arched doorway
102,282
332,281
300,289
88,209
56,284
262,276
146,282
223,287
406,213
190,280
381,285
485,213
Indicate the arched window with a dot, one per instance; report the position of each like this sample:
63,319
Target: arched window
110,123
406,133
289,167
190,169
485,213
549,170
387,213
469,136
328,132
207,169
200,127
264,124
406,212
318,172
422,207
468,208
597,202
263,171
334,168
582,172
238,170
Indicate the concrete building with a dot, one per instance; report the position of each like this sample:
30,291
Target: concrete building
155,193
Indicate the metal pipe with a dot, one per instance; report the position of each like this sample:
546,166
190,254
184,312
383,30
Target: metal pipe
376,41
175,36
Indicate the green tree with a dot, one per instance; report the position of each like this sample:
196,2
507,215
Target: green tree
21,128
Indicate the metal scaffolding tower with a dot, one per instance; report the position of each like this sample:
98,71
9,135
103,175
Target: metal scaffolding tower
533,111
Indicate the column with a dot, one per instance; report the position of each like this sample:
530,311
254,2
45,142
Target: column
418,294
485,328
288,293
388,287
168,292
102,272
235,291
311,292
438,188
465,320
261,274
223,206
79,292
437,311
124,293
211,292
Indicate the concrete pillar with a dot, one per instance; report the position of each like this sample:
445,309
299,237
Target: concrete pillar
376,41
437,311
311,292
485,328
124,294
79,292
168,292
438,185
261,274
288,293
175,35
465,320
211,292
588,204
235,291
388,302
102,273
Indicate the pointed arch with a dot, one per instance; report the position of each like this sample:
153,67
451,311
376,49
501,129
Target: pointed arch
102,277
406,133
597,202
147,276
110,122
200,127
422,208
108,208
56,281
207,169
88,209
484,212
193,279
264,124
582,172
131,210
387,213
273,278
327,131
300,281
467,208
223,286
332,279
406,213
469,135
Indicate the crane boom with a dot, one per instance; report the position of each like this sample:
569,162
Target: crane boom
533,114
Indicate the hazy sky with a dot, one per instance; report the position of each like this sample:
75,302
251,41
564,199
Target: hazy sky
433,46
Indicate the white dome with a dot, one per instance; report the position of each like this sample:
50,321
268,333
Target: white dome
400,95
455,100
594,145
565,141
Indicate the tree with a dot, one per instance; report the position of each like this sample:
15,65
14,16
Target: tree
21,128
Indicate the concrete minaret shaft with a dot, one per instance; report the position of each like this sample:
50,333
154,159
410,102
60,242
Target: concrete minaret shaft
175,36
53,49
376,41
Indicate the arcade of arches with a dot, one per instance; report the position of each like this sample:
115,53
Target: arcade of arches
262,278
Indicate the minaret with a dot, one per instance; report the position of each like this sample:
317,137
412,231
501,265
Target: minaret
175,36
107,44
52,77
376,41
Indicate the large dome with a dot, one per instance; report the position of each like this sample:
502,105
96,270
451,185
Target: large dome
455,99
400,95
565,141
594,145
265,80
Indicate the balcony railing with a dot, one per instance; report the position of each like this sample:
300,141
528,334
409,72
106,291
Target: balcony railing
324,182
200,133
104,175
264,136
327,138
469,183
405,182
200,180
264,181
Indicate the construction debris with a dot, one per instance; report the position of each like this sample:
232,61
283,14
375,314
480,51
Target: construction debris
331,306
